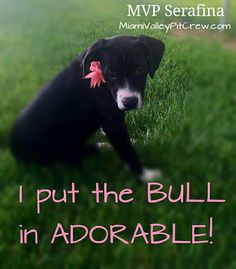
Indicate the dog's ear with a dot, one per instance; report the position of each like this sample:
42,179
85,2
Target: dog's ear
155,49
92,53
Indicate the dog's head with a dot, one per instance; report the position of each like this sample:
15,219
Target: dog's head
126,61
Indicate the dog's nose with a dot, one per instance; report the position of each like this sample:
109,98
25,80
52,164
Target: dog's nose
130,102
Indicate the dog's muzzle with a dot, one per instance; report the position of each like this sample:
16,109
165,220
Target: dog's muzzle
127,99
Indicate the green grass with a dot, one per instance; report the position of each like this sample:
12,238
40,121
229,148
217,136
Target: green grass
186,127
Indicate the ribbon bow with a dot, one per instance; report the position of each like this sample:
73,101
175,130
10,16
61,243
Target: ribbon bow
95,74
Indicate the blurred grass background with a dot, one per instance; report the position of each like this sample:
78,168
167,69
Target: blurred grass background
187,128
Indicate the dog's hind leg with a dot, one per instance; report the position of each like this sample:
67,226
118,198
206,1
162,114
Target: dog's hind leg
88,150
76,155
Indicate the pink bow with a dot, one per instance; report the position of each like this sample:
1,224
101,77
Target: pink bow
96,74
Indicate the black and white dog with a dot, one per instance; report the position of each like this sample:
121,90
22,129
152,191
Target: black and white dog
55,125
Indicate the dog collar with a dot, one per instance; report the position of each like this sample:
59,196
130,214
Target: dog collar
95,75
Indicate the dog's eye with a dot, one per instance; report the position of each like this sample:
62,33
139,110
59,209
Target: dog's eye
112,74
139,70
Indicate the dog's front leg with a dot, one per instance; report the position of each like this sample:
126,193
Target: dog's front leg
118,135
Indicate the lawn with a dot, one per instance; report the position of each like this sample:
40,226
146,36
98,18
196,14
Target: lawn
186,128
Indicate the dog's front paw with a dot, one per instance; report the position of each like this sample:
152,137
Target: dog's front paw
150,175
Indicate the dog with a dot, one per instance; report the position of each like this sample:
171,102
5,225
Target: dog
54,127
